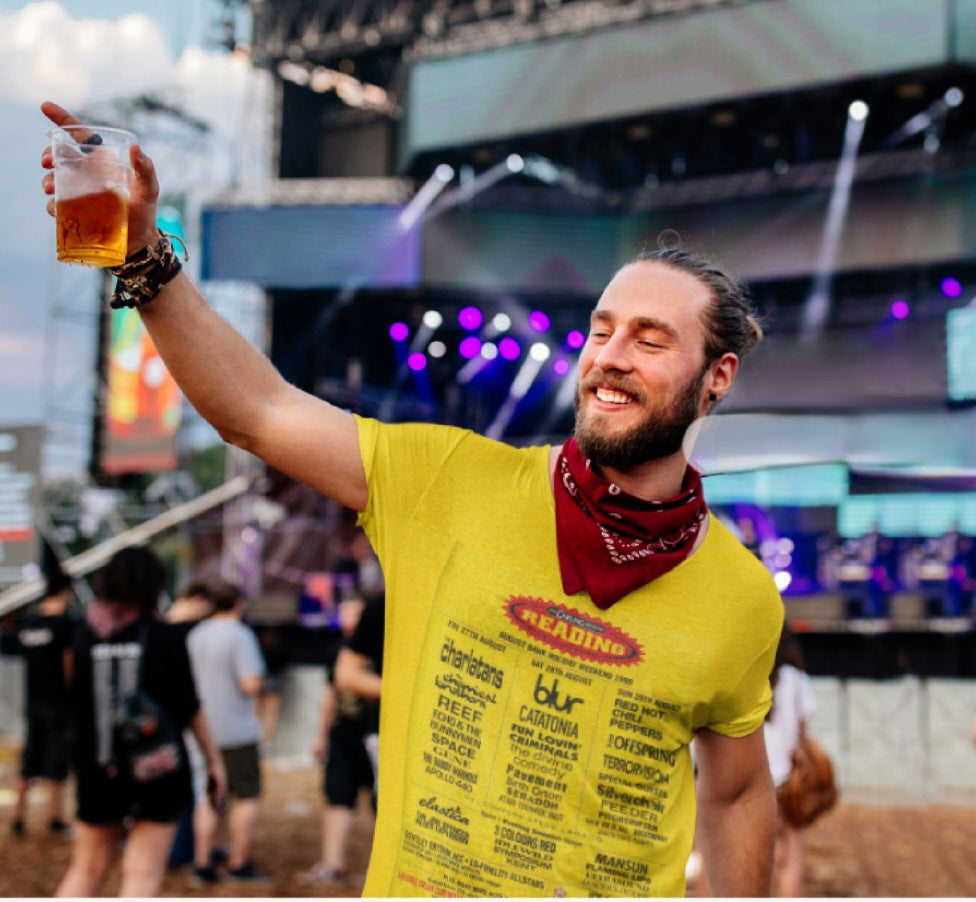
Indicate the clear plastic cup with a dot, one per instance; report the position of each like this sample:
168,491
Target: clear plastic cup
91,193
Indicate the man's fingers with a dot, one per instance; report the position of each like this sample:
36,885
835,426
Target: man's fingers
58,114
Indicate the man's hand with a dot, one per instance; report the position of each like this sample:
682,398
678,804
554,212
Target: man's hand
143,191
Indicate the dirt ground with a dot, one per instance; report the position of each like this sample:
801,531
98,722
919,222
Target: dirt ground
854,850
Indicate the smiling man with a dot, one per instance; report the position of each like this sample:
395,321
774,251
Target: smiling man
561,622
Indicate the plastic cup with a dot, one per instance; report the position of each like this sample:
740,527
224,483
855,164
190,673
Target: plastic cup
91,193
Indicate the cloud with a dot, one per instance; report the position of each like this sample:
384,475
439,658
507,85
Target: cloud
44,53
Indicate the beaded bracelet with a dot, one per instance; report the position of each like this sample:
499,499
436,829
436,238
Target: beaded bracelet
144,273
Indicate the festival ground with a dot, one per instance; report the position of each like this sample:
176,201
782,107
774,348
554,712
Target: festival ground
854,851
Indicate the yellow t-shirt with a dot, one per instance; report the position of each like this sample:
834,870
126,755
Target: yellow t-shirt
530,743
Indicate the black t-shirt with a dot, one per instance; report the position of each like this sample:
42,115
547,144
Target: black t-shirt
357,716
105,669
367,638
42,640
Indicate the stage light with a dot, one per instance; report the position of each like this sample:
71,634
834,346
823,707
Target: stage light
509,348
900,310
399,331
469,318
514,163
539,321
782,578
539,351
501,322
417,361
858,111
561,366
576,339
433,319
428,193
437,349
470,347
953,97
951,287
489,350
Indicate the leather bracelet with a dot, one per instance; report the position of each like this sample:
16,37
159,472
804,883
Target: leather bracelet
144,273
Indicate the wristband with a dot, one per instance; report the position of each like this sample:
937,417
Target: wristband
144,273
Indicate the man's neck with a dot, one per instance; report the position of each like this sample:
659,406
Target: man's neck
52,605
654,480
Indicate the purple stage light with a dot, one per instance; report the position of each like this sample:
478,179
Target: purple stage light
900,310
470,347
538,321
561,366
417,361
509,348
399,332
469,318
576,339
951,287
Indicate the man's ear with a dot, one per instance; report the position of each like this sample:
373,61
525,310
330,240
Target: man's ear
721,376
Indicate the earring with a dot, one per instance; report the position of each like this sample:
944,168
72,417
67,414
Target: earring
712,397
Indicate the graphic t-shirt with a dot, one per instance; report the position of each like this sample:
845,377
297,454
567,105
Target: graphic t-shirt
532,744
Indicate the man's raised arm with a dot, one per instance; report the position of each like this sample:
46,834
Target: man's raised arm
232,384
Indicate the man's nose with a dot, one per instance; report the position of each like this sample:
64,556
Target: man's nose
614,354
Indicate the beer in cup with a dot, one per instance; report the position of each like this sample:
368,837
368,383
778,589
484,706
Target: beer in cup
91,193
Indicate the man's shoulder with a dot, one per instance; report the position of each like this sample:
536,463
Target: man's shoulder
438,435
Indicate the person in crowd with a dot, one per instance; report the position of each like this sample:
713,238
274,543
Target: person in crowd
272,642
125,647
193,605
43,639
359,671
561,620
228,668
339,746
785,724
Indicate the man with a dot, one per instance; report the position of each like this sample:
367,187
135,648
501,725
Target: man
228,668
345,721
561,621
193,605
43,639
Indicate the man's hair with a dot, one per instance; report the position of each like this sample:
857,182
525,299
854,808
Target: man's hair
731,324
56,581
226,595
198,589
133,576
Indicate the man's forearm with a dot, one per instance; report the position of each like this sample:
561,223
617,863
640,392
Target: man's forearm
222,375
737,844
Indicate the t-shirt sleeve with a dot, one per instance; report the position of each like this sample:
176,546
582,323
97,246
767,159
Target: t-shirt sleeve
401,461
248,659
742,710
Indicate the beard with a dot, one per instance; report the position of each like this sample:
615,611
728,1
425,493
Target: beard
660,434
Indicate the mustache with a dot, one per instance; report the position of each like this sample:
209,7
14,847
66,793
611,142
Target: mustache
597,377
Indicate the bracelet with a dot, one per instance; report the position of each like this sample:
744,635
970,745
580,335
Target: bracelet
144,273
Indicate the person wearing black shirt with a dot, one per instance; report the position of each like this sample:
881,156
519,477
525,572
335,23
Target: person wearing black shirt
43,639
347,719
124,647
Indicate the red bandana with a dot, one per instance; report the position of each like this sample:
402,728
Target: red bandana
611,543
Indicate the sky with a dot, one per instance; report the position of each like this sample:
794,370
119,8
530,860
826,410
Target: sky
87,55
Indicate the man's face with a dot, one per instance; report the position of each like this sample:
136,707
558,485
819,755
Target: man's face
642,374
